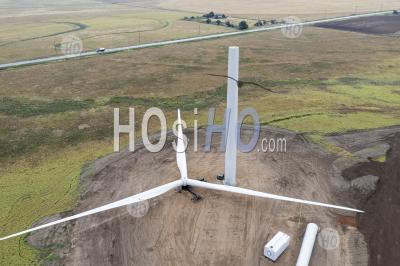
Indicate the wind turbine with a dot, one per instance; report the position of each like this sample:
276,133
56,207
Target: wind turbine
185,182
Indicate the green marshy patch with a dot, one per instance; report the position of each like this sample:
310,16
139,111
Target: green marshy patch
316,83
319,108
363,81
184,102
26,108
289,118
334,123
22,107
327,145
380,159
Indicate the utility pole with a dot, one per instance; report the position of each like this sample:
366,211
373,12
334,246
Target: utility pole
55,47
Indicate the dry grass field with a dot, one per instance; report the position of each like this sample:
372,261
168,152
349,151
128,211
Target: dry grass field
40,34
293,7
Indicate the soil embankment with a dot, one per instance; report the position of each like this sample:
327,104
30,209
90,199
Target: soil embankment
380,222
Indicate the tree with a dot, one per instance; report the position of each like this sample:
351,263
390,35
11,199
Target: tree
211,14
223,16
218,22
243,25
208,21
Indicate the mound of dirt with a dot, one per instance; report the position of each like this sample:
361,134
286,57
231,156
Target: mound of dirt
379,184
380,222
221,228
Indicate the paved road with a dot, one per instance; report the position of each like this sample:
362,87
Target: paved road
192,39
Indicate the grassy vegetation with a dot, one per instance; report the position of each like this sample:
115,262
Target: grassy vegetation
188,102
335,109
339,123
26,196
60,124
360,107
27,108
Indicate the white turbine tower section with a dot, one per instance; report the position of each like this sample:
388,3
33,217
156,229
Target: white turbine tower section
307,245
232,105
183,181
180,152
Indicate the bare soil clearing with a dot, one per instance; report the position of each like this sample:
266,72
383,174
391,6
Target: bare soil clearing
220,229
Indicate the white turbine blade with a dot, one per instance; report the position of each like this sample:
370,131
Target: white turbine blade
180,150
129,200
250,192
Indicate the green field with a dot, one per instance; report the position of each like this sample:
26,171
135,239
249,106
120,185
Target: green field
37,186
57,117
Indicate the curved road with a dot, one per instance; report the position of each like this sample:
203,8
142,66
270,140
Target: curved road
77,27
191,39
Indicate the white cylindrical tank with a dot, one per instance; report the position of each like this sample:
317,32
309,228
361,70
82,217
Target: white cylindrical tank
307,245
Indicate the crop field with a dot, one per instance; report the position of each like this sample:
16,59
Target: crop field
371,25
56,118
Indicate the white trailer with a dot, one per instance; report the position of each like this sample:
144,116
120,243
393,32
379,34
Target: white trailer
276,246
307,245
